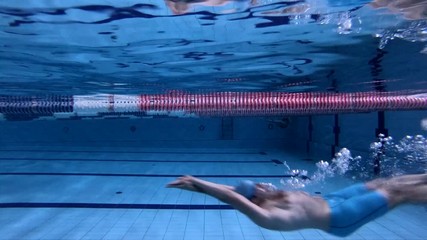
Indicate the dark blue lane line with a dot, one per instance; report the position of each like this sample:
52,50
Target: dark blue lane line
138,175
129,160
114,206
111,151
276,161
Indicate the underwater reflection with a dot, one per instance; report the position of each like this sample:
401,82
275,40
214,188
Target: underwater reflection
410,9
179,7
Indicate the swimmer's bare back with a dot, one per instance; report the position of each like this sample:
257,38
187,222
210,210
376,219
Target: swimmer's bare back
298,210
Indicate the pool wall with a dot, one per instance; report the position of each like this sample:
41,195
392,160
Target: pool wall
355,131
157,132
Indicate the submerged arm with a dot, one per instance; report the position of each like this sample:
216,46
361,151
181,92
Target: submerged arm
227,195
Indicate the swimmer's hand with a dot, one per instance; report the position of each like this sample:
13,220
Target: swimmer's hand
184,182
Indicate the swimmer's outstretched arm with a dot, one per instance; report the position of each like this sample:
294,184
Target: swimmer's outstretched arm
227,195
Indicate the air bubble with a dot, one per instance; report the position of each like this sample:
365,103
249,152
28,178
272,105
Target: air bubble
395,158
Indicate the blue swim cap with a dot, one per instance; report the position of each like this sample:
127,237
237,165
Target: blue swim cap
246,188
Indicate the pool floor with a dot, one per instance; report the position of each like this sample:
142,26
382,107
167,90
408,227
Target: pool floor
94,193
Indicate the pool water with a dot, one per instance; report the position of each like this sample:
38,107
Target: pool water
102,103
133,47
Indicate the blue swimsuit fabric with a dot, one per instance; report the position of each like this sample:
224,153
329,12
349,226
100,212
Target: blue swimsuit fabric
353,207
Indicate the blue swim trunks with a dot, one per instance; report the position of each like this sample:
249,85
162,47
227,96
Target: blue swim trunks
353,207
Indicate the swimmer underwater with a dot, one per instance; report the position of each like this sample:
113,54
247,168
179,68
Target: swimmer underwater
339,213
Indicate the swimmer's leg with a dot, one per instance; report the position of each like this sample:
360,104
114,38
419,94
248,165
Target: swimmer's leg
402,189
351,214
413,179
349,192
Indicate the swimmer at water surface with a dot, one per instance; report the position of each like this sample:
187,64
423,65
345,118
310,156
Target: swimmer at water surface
410,9
339,213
